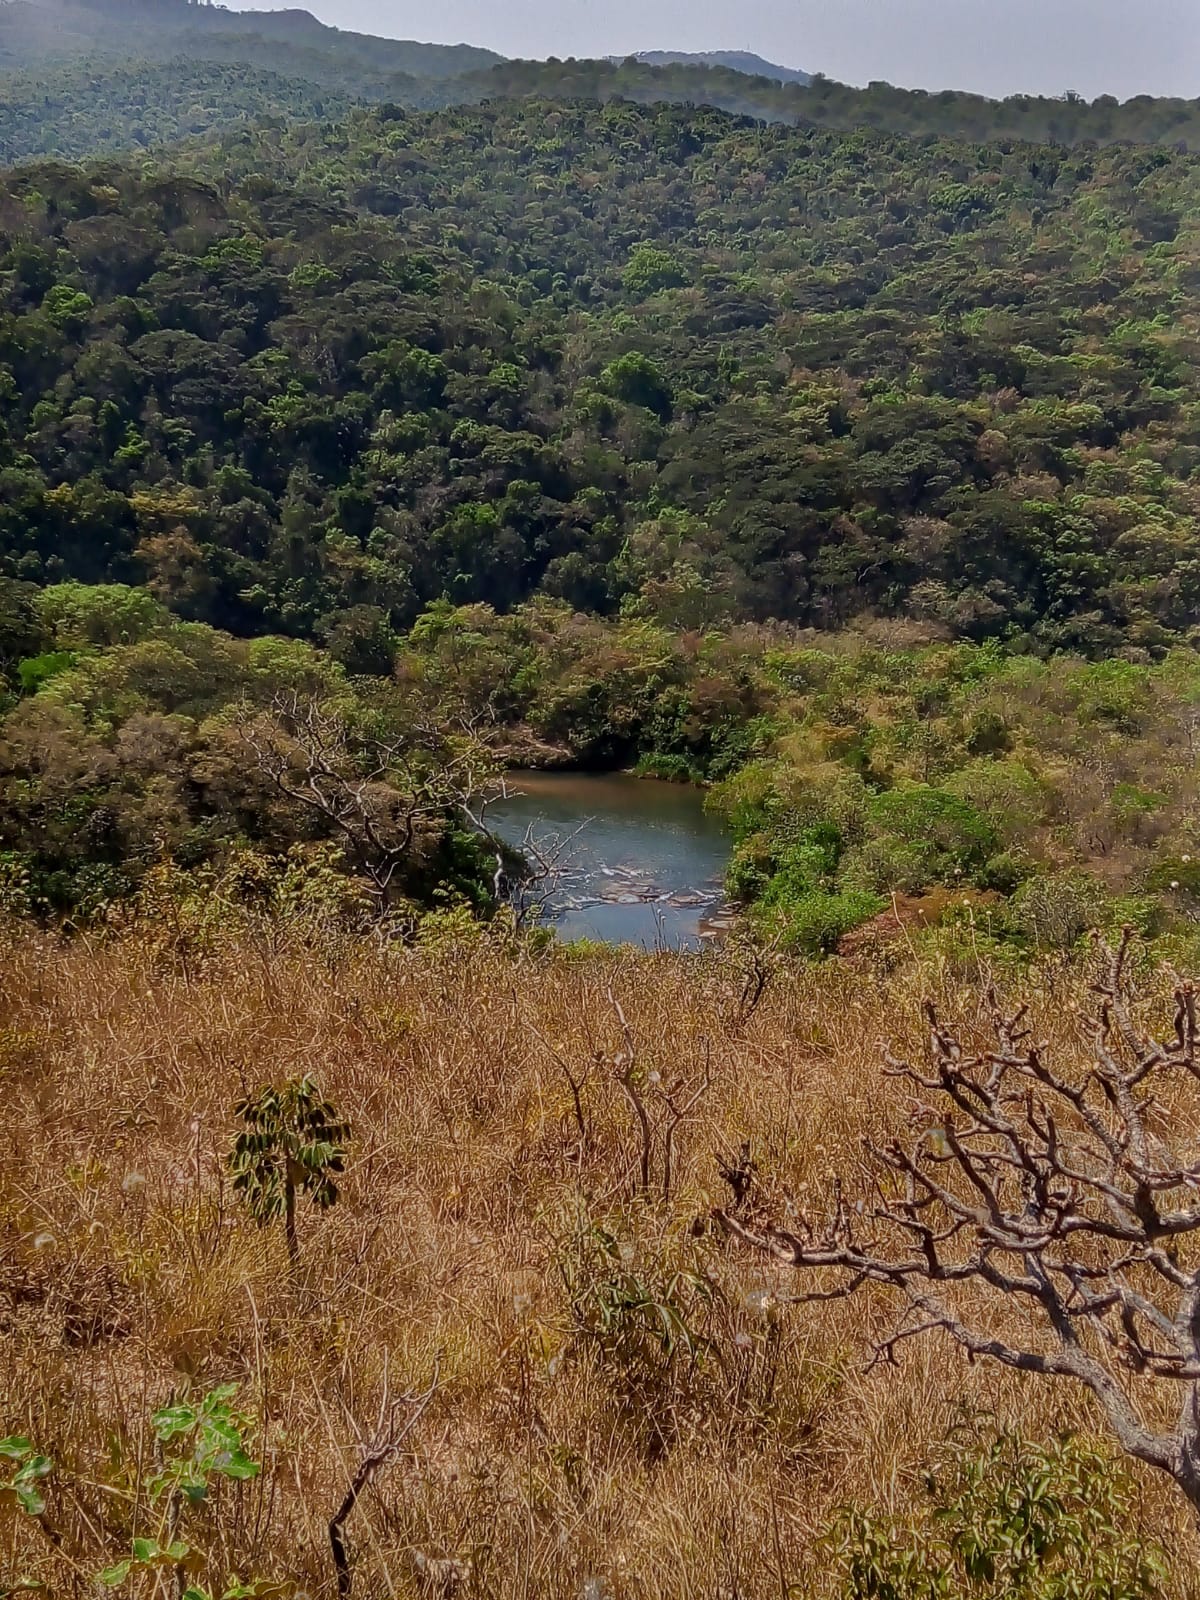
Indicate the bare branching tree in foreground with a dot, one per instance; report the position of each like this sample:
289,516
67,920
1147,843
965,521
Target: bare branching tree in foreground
1072,1198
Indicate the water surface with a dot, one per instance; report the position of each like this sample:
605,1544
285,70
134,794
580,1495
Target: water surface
643,863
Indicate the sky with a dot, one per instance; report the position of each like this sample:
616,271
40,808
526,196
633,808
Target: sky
997,47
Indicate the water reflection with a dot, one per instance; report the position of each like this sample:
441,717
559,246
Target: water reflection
641,861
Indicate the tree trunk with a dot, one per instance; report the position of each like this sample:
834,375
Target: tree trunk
1188,1475
289,1220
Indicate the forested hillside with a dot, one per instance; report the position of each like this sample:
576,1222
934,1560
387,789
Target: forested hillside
81,79
493,353
38,32
1067,120
78,80
88,109
739,60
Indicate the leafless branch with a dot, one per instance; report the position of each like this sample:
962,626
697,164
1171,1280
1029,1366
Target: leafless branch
396,1421
385,793
1070,1192
658,1110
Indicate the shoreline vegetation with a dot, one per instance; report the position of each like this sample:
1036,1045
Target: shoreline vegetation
856,773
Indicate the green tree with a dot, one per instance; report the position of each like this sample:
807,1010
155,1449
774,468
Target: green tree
294,1142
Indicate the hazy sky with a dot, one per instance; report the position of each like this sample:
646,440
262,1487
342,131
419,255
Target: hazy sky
1121,47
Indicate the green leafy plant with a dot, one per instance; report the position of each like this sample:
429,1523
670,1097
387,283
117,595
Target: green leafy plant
209,1440
1005,1519
29,1470
634,1312
294,1142
202,1441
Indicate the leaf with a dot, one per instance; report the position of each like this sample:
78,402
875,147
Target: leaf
145,1550
36,1467
29,1500
218,1396
112,1576
238,1466
171,1421
217,1433
15,1448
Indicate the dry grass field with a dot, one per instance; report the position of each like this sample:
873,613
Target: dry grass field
493,1244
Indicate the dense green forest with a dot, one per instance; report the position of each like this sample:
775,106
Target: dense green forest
85,106
331,371
950,113
88,109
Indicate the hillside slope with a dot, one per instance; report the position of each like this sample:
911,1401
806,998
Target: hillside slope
34,32
81,79
948,114
84,109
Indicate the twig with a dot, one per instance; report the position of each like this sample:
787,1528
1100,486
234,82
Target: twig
382,1449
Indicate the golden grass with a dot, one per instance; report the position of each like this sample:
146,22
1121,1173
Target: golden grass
132,1275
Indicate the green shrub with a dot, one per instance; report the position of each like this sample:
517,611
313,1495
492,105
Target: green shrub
812,923
638,381
673,769
650,268
34,671
1005,1519
1054,911
1006,793
1003,872
944,832
1178,876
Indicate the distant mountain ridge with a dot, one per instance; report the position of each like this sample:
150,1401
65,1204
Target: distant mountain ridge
734,60
84,77
292,41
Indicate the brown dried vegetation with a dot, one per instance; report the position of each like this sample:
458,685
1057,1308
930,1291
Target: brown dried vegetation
625,1401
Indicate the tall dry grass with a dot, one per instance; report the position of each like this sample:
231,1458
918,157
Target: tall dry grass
545,1465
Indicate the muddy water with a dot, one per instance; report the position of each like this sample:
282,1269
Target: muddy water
643,864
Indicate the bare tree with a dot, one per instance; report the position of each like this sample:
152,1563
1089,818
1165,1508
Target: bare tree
658,1108
547,861
1071,1195
385,793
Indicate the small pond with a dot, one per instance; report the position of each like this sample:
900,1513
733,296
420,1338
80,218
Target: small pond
643,863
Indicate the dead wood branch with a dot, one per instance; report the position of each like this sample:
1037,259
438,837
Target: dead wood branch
397,1419
1073,1194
